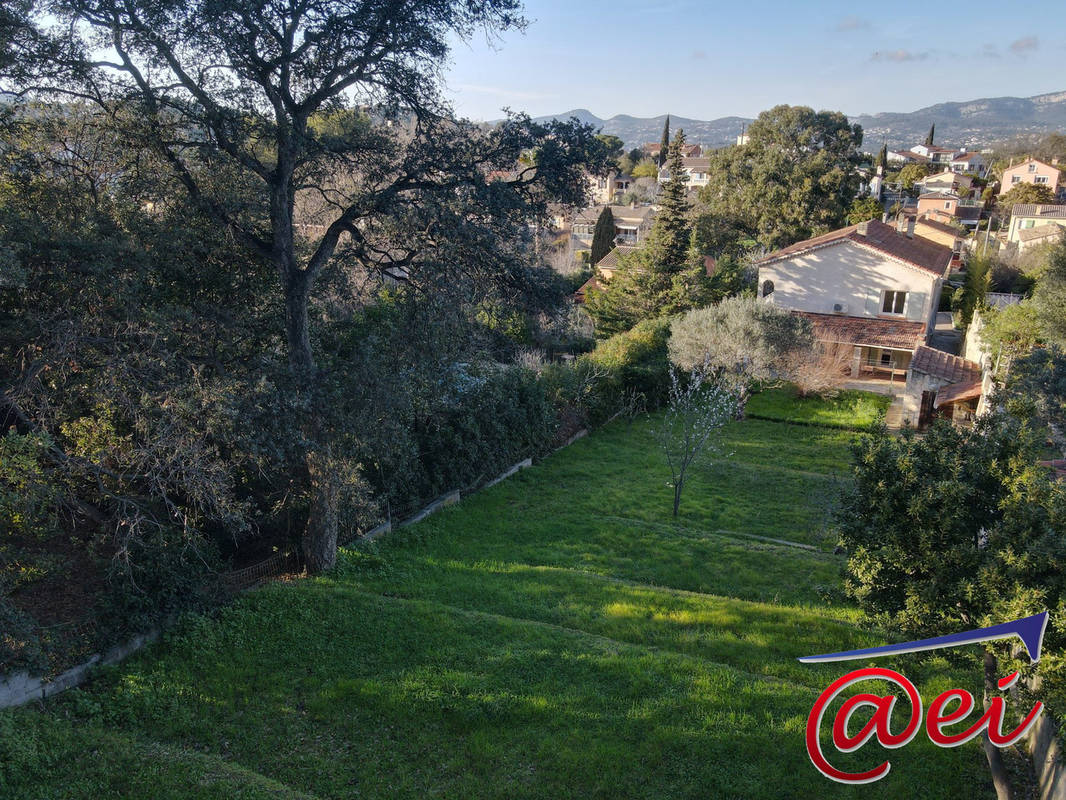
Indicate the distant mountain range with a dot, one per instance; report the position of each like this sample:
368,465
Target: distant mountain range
973,124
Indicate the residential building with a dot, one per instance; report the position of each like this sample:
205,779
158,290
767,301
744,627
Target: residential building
608,265
906,157
943,233
1031,171
631,224
698,171
970,163
609,188
946,181
935,154
1025,218
867,287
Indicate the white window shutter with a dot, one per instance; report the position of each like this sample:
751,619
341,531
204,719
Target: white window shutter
915,306
873,302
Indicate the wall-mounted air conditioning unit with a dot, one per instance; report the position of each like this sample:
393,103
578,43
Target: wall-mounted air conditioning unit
840,308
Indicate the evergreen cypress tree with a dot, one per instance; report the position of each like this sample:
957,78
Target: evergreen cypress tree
929,138
882,158
602,235
664,144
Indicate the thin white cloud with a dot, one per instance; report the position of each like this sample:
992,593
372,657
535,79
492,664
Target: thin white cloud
1025,45
851,23
898,56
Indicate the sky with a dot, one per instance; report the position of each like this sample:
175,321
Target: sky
705,60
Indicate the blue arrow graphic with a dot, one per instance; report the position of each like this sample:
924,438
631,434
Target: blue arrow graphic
1029,629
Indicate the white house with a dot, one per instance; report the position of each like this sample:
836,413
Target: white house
869,287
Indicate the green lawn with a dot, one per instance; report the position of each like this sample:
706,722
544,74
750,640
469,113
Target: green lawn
849,409
558,635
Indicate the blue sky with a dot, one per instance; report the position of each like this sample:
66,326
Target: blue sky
709,60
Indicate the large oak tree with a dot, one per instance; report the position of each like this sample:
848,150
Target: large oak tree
333,110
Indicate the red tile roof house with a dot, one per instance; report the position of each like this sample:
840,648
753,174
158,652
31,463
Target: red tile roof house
873,288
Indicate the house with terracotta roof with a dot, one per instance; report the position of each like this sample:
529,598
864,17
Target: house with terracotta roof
946,181
1026,217
969,163
631,223
1031,171
942,385
869,287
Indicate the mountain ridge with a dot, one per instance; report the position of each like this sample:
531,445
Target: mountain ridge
969,123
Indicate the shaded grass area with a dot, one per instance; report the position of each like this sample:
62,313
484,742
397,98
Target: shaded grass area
558,635
849,409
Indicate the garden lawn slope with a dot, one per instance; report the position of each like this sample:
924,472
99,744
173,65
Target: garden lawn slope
558,635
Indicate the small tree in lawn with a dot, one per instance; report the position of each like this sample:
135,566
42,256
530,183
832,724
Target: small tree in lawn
697,410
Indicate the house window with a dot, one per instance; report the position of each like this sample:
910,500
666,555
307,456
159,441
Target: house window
947,204
893,302
1040,179
886,358
767,288
1027,223
1015,178
1032,167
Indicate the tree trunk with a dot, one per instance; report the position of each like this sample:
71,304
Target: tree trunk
320,535
992,753
678,484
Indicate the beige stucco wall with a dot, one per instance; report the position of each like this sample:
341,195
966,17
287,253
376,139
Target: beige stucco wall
1016,226
1025,176
856,276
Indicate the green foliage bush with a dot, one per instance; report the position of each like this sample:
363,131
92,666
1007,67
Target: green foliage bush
20,647
27,492
635,362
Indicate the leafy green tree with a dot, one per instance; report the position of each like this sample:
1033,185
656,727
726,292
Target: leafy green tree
230,88
1049,298
953,530
1012,332
912,173
612,145
929,136
664,142
646,169
1025,193
602,235
795,178
863,209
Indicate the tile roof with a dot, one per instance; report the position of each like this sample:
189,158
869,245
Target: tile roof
610,261
1040,232
918,252
894,334
1038,210
966,390
938,196
696,163
943,227
967,157
943,365
592,213
582,292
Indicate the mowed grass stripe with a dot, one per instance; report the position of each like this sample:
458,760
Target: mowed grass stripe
345,694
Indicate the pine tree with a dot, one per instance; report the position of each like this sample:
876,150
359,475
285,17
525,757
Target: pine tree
603,235
882,158
929,138
664,144
672,225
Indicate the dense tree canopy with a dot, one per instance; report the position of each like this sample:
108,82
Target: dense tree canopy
1025,193
794,178
330,118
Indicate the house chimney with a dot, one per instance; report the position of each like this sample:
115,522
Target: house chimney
863,227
